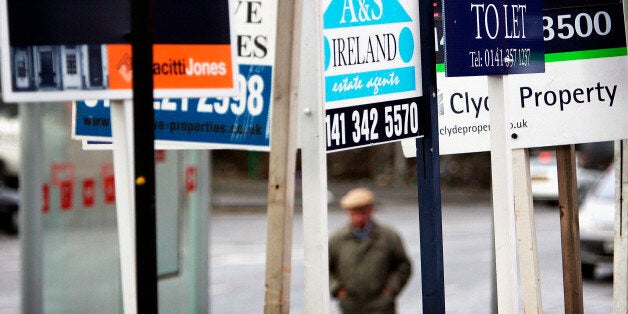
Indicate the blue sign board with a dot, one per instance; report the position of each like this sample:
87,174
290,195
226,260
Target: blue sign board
493,37
239,122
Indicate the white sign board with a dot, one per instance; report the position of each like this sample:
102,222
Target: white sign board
241,122
582,97
372,71
54,50
573,102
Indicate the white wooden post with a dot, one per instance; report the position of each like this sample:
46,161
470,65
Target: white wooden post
503,198
314,164
620,263
123,161
526,233
283,149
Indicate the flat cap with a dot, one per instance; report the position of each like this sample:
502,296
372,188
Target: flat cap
357,197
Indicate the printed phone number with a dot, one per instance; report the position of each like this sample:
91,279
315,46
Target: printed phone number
499,57
373,124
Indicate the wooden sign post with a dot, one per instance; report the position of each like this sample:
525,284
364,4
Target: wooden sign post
314,161
526,232
569,228
503,201
283,148
620,262
124,163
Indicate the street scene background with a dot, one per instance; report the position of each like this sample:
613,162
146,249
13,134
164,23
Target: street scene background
237,250
83,241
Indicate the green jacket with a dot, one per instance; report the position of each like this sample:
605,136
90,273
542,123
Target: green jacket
365,267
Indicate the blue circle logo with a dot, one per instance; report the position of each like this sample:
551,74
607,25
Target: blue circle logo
327,52
406,45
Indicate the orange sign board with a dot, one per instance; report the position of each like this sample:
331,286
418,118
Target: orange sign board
176,66
85,52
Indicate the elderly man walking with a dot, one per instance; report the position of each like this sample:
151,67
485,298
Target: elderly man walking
368,265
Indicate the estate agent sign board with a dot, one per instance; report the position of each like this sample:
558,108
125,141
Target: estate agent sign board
69,50
240,122
493,37
372,71
582,96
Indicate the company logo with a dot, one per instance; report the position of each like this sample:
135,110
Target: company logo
369,49
191,67
125,68
349,13
176,66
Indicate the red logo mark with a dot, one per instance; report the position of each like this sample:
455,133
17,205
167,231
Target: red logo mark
45,188
89,193
108,183
190,179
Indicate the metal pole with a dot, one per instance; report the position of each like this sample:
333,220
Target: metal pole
428,173
200,211
30,227
145,221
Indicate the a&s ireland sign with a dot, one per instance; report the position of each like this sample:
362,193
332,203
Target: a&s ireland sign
372,71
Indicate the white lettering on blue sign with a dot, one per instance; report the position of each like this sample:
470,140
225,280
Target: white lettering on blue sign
514,16
365,11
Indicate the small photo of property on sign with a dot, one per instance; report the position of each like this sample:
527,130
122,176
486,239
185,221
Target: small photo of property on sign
64,50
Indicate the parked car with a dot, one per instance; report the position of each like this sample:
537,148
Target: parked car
9,145
597,216
544,176
9,203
